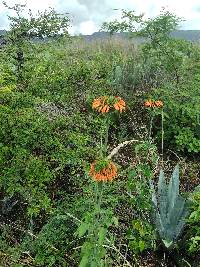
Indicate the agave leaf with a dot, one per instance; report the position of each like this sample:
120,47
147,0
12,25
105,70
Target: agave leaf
175,219
159,225
182,221
176,213
167,243
162,196
161,183
173,188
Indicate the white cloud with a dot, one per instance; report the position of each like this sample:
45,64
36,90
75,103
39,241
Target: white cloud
88,27
88,15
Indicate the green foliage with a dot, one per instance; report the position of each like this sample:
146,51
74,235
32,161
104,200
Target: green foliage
163,65
35,151
52,242
156,29
23,30
129,23
142,236
181,116
170,209
94,227
44,24
159,28
193,237
50,213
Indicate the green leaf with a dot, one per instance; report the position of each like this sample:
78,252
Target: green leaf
84,261
82,229
102,235
132,174
141,245
173,188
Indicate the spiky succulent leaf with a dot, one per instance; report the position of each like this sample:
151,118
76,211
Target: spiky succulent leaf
182,221
173,189
162,196
171,209
167,243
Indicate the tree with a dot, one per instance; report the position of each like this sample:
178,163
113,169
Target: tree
23,30
168,52
153,29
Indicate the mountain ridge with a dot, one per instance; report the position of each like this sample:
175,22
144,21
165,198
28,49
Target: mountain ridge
189,35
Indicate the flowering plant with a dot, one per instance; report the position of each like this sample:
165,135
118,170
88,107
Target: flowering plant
103,170
104,104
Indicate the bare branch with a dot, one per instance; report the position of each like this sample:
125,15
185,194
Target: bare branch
125,143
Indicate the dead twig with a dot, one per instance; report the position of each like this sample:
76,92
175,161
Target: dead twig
125,143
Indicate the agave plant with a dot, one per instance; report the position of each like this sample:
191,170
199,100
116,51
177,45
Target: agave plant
171,209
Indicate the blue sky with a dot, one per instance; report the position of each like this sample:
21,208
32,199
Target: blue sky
88,15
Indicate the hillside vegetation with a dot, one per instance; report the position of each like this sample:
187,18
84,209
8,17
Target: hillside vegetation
88,130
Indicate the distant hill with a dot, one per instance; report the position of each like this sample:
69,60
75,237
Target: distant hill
2,40
2,32
189,35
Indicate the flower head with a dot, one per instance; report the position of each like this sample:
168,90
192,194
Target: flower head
100,104
104,104
159,104
152,104
102,171
119,104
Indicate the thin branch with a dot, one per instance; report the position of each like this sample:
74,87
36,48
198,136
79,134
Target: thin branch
116,149
122,256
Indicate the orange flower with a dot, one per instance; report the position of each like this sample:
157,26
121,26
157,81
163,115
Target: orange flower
152,104
104,104
159,104
107,173
96,103
100,104
120,104
148,103
105,109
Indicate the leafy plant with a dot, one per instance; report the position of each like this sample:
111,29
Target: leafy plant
94,229
170,209
193,235
141,233
141,236
162,66
23,30
181,115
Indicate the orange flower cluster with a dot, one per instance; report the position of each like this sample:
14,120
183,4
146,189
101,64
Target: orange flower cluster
101,104
107,173
153,104
120,104
104,103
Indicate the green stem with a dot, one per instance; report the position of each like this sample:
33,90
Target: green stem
106,134
150,128
162,142
100,192
97,218
104,138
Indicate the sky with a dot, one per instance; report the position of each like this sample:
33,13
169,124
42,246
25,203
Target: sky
87,16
